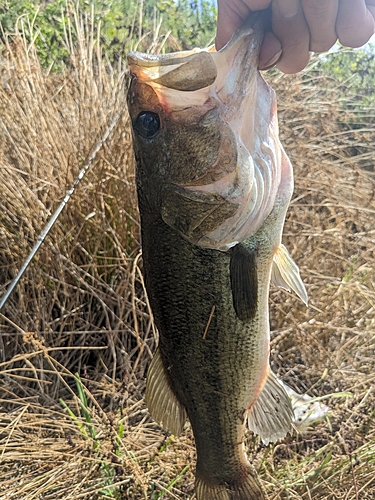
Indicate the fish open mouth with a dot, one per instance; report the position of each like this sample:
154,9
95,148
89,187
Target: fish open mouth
186,79
223,92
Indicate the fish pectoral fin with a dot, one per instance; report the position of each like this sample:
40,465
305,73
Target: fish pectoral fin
161,400
285,273
271,415
244,281
194,214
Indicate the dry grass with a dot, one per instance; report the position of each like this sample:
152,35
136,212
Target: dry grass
81,307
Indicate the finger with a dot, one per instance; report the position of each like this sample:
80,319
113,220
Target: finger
270,51
321,16
355,24
230,16
371,7
290,27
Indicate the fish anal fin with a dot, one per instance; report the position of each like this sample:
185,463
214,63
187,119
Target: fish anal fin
285,273
245,487
160,399
271,414
244,281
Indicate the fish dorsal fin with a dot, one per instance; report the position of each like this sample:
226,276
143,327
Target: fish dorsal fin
285,273
244,281
271,415
160,399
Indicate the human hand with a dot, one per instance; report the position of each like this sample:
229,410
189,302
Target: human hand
300,26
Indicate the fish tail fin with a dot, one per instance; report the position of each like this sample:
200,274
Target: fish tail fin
246,487
272,414
285,273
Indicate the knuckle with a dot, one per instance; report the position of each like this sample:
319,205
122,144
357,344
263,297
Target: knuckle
317,10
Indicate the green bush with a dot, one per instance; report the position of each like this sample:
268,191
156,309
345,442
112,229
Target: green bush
119,26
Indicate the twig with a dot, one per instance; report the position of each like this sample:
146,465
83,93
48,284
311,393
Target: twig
209,322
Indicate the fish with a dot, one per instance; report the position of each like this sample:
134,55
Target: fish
214,184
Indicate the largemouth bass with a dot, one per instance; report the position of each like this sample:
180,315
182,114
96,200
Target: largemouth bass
214,184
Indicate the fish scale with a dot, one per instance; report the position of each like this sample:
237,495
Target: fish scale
211,374
213,188
204,373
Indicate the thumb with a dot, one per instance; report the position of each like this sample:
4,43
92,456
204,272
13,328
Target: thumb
231,15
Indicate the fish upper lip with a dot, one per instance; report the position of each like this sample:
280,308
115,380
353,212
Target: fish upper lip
203,68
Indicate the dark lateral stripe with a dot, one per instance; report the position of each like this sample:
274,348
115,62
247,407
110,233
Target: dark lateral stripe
244,282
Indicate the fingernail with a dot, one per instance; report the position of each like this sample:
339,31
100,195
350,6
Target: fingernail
269,64
288,8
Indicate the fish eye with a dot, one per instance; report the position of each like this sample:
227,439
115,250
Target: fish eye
147,124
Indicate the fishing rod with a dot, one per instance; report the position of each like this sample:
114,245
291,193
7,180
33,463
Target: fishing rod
57,213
